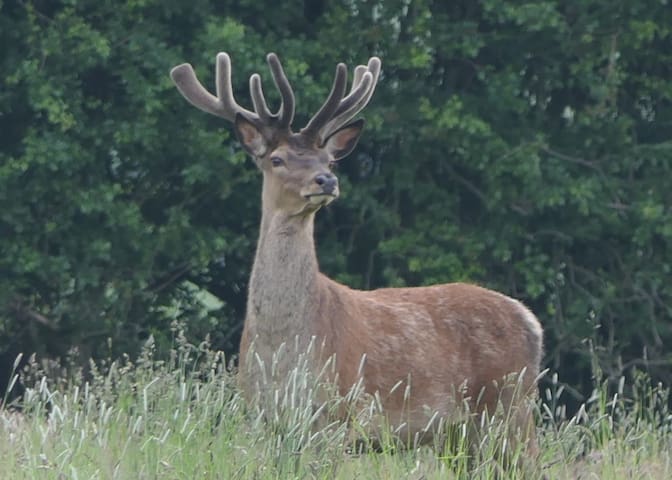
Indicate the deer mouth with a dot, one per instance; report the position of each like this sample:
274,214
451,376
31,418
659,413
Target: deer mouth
320,194
320,198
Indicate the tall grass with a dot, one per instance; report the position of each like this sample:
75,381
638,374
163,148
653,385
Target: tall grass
184,418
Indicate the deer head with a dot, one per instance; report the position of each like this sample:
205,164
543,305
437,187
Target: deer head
297,167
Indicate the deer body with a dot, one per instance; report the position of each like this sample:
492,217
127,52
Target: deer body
422,349
444,338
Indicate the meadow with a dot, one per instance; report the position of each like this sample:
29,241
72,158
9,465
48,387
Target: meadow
184,418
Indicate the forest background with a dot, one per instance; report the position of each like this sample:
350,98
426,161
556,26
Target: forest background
522,145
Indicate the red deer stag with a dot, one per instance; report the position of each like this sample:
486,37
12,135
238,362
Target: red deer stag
423,349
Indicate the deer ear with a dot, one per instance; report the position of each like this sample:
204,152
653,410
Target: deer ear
250,137
343,141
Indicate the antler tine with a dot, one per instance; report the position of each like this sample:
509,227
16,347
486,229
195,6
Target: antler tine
355,90
223,105
331,103
258,100
225,90
357,77
187,83
286,111
353,100
363,86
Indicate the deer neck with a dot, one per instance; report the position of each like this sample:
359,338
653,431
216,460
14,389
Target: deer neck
284,285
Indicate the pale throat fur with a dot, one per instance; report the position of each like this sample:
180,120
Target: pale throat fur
284,283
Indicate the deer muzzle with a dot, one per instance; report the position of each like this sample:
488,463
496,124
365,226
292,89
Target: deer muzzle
328,182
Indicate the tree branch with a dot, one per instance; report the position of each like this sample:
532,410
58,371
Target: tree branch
27,312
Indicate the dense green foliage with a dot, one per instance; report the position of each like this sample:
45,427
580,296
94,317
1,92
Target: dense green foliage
523,145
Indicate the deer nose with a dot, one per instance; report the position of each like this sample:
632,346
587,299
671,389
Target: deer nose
327,181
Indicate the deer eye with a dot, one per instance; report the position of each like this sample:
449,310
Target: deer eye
277,161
